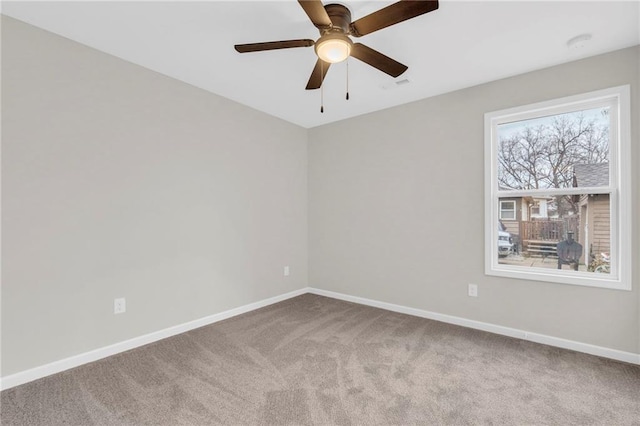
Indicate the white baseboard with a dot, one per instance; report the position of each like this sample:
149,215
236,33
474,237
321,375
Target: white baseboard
94,355
629,357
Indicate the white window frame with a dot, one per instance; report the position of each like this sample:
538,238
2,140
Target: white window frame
618,98
513,203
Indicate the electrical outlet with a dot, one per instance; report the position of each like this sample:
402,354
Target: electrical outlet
286,271
119,305
473,290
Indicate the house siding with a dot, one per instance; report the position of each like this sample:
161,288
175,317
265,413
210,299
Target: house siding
600,220
597,237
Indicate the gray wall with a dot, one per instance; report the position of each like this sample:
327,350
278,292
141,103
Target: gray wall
396,210
120,182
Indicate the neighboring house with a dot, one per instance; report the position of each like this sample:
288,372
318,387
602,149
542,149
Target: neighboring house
595,211
513,212
509,212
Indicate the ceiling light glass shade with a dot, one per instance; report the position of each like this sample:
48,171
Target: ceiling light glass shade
333,48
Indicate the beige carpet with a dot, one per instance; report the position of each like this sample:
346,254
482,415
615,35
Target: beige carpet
315,360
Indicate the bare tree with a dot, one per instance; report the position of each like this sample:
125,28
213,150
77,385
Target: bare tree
543,155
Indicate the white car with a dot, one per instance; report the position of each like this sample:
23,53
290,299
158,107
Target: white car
505,241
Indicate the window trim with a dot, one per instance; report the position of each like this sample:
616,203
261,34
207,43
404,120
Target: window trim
619,189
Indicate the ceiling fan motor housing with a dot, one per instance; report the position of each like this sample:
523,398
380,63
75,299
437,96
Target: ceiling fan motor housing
340,18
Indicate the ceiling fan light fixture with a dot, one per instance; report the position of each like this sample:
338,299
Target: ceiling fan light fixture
333,48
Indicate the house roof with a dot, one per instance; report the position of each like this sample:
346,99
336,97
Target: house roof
591,174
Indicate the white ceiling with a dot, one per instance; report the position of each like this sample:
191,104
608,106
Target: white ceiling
461,44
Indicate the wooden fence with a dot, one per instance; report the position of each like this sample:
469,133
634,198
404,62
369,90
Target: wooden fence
550,229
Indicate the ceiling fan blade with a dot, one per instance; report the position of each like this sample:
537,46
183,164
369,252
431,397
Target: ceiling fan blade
391,15
318,74
272,45
316,12
377,60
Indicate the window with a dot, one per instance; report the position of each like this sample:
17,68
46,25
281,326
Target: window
567,162
508,210
535,209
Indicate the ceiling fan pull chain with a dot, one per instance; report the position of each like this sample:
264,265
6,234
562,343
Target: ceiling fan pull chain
347,61
322,87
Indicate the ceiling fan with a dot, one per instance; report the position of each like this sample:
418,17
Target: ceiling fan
335,26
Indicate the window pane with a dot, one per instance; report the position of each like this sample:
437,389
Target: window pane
556,151
569,232
507,215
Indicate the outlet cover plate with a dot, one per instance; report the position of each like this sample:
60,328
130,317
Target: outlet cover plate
119,305
473,290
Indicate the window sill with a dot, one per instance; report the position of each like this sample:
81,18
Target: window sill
558,276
